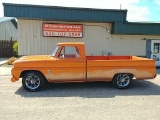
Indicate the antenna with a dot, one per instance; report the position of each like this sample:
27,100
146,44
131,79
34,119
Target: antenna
120,6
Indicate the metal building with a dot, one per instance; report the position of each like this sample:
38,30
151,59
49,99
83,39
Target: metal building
8,28
104,31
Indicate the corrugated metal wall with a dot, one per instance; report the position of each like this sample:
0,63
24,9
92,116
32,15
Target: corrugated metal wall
95,35
8,30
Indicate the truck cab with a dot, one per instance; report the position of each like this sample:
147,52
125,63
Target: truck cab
69,63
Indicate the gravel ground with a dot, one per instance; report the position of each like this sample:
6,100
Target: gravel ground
5,70
79,101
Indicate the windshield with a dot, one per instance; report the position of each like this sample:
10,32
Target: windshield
55,51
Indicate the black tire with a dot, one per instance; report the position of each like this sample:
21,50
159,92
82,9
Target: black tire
122,80
32,81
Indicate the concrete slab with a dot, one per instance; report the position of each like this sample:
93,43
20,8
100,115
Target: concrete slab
5,71
3,60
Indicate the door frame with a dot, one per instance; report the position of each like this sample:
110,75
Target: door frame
152,52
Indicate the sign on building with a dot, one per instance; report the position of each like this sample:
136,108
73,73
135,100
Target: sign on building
62,30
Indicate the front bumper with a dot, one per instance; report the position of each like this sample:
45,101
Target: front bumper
15,74
13,79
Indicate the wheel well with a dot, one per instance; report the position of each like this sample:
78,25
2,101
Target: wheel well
24,72
132,75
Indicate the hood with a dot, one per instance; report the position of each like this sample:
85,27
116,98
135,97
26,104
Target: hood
34,57
31,61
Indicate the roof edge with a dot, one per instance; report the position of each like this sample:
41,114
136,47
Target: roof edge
143,23
62,7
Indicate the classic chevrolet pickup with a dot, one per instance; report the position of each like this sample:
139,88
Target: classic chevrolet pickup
68,63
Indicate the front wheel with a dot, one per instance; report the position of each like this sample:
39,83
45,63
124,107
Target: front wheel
122,80
32,81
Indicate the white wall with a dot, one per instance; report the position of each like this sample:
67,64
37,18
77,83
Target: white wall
8,30
95,35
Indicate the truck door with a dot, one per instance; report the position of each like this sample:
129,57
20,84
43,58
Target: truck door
69,66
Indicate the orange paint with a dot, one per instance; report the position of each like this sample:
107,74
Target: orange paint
64,67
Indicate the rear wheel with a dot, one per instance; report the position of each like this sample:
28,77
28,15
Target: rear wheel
122,80
32,81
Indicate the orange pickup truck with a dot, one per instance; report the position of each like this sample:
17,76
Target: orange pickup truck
69,63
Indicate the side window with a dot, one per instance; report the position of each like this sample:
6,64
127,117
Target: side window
69,52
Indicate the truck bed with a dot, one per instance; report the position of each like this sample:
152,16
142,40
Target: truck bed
102,66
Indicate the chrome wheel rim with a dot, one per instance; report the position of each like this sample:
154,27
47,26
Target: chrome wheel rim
123,80
32,82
